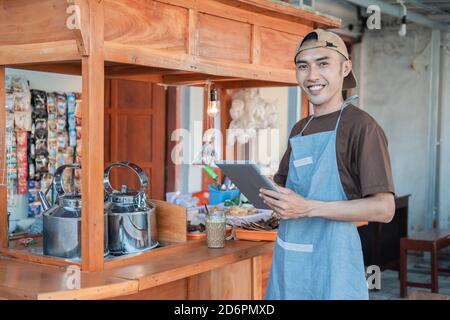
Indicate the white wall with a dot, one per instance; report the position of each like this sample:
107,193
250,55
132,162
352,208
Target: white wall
48,81
280,94
396,77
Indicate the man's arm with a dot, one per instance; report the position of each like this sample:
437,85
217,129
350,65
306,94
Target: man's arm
379,207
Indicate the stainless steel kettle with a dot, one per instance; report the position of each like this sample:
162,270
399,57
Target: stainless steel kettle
62,222
132,218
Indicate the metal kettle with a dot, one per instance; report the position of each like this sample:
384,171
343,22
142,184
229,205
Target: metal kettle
62,222
132,218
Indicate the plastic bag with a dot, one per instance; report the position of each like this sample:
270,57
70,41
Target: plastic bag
22,121
39,103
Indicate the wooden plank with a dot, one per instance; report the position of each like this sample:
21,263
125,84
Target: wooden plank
283,11
79,15
222,38
266,264
278,48
154,78
166,249
256,44
3,170
147,23
92,161
33,22
257,293
114,288
172,222
35,281
199,286
72,68
225,119
148,57
194,79
277,17
176,290
232,281
39,52
36,258
192,39
240,84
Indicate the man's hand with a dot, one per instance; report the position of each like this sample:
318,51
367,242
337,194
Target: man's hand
287,204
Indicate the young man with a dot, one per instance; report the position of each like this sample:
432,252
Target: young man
335,171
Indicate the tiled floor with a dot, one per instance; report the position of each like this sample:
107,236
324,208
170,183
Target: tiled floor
418,271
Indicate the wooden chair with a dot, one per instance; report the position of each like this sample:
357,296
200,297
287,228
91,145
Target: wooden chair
426,241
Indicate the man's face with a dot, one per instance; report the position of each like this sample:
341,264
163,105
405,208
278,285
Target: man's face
320,73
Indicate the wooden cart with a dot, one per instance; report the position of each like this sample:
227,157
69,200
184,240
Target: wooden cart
235,43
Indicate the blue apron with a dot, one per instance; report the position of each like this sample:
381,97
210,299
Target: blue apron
316,258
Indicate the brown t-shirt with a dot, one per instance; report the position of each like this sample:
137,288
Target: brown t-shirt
361,152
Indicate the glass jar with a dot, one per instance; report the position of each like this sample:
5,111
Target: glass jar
215,224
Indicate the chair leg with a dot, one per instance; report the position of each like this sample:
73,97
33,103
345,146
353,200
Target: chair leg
434,271
403,270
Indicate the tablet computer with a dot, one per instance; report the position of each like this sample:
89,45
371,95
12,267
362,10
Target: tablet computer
248,179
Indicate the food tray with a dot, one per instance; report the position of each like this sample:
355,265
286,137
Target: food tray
253,235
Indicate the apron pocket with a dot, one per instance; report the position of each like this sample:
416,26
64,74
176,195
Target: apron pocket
297,269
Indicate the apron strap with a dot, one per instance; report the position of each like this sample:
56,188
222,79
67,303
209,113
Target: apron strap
345,104
309,121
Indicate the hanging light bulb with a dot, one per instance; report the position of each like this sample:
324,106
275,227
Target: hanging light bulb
402,31
213,102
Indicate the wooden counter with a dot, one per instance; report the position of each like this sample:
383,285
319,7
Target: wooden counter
185,271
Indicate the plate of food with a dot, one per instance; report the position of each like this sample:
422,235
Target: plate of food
261,230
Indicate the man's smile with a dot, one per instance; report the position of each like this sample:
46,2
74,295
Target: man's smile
315,89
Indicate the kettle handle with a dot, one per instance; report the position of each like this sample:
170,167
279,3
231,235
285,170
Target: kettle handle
57,180
135,168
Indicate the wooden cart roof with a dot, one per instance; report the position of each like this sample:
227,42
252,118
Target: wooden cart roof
236,42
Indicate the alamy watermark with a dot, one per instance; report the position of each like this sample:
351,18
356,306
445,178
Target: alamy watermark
373,277
374,20
72,278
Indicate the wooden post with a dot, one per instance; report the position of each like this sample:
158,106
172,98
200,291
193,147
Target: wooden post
3,169
92,160
257,284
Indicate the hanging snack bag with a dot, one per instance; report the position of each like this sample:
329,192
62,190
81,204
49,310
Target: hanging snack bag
22,121
61,125
40,128
19,84
51,103
61,143
71,102
22,102
39,103
41,147
61,105
9,102
41,164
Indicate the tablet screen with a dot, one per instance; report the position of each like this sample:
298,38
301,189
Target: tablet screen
248,179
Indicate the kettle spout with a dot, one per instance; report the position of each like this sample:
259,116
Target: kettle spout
43,200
